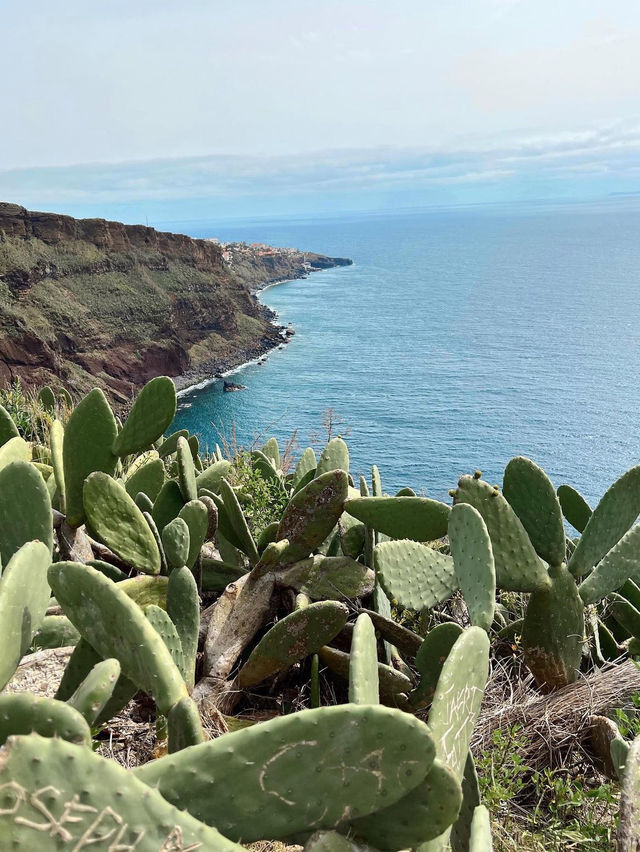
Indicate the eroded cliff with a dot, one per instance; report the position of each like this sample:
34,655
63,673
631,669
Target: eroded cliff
87,301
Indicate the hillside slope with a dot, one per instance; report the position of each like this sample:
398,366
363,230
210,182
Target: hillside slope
86,302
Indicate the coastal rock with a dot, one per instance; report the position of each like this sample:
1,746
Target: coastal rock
89,302
229,387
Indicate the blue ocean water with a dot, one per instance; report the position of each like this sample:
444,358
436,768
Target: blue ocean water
458,339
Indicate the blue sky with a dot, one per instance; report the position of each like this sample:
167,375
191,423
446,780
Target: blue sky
206,108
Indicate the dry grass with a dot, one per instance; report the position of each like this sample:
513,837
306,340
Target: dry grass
554,725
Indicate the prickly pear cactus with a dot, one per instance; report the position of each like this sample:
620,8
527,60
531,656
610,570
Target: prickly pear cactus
87,447
91,696
365,758
611,518
335,456
416,518
533,498
183,608
553,631
94,605
413,574
117,522
24,713
473,561
148,478
312,513
293,638
186,471
390,681
196,516
430,659
574,507
150,417
25,509
620,563
24,597
518,567
55,795
363,668
326,577
176,541
629,821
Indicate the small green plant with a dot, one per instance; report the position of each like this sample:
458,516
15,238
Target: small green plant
628,719
261,499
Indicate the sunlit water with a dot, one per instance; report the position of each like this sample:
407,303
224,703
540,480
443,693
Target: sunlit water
458,339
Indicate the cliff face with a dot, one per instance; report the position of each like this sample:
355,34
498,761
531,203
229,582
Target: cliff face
86,302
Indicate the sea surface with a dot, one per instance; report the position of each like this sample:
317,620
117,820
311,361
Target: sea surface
458,339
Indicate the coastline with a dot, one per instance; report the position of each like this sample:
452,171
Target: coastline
185,383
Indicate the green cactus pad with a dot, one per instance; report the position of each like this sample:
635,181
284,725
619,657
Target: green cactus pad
335,456
619,750
405,640
81,662
184,726
145,505
8,428
518,567
458,696
16,449
56,441
24,597
56,795
183,607
306,467
328,577
217,575
312,513
25,509
363,663
176,541
117,522
167,504
331,841
94,605
352,537
293,638
47,398
255,783
415,518
473,560
24,713
170,443
391,682
88,438
461,829
145,590
480,837
376,482
620,563
166,629
421,815
212,476
186,471
532,497
553,631
238,522
148,478
625,613
610,520
92,695
430,659
413,574
272,452
150,417
56,631
574,507
196,516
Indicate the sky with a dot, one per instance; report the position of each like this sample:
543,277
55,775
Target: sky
160,109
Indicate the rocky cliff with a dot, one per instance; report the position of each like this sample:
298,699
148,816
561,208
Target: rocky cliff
86,302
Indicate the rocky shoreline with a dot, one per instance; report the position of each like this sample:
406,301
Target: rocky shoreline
86,302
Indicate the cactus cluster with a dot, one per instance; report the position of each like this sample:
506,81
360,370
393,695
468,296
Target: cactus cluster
115,535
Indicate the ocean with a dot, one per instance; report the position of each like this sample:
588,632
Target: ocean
459,338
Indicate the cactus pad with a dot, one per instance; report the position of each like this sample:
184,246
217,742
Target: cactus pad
312,513
24,713
94,605
574,507
150,416
255,783
620,563
430,659
335,456
413,574
415,518
117,522
293,638
611,518
91,696
56,795
473,560
532,497
518,568
328,577
363,667
24,597
176,541
391,682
